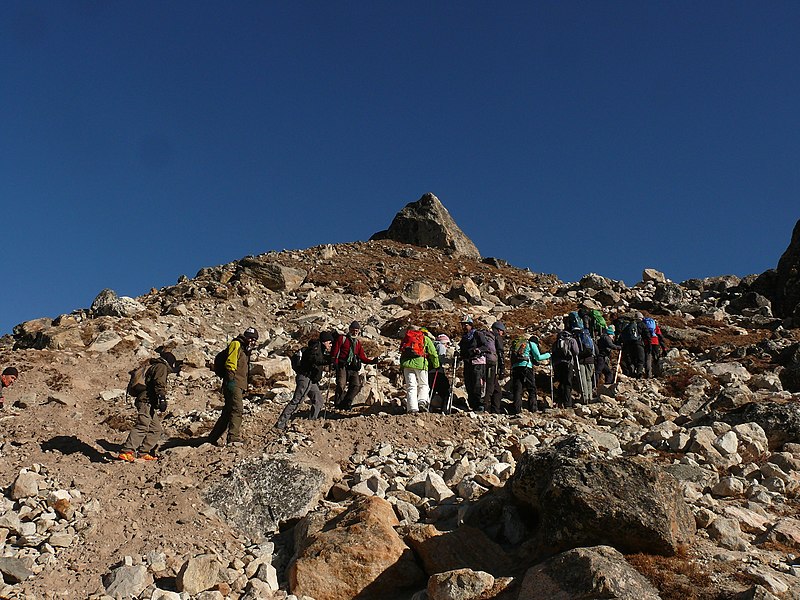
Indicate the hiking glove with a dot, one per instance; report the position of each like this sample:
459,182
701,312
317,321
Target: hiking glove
162,404
230,385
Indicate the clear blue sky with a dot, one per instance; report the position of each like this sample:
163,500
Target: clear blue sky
144,140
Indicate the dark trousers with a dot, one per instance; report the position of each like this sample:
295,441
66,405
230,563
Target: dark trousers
231,416
652,362
304,387
633,357
493,396
440,386
474,379
348,384
523,380
563,375
604,369
147,431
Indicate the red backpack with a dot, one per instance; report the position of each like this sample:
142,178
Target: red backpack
413,345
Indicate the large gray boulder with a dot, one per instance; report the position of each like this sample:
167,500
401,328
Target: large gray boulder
271,275
426,222
581,500
596,572
108,304
257,496
780,421
787,288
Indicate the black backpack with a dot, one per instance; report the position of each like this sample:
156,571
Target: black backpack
562,349
297,360
630,332
219,362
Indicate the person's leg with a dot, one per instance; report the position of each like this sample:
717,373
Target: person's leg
516,388
341,385
224,417
302,384
410,379
154,433
529,383
423,390
317,400
237,410
353,387
491,381
138,433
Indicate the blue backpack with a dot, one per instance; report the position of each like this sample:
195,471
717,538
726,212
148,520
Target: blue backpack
574,321
651,325
586,342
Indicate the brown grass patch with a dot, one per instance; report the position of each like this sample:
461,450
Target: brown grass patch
676,577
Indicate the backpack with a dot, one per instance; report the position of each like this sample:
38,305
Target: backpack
574,320
136,384
651,325
219,362
491,352
519,350
630,332
586,343
413,345
296,359
599,324
562,349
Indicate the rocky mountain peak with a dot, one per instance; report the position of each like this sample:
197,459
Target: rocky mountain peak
427,222
787,292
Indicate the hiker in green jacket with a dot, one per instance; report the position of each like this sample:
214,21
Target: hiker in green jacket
417,355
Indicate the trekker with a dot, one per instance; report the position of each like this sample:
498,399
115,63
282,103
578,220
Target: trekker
316,356
605,345
417,353
348,355
495,369
143,439
473,349
657,349
437,378
234,384
633,334
525,354
7,379
563,357
585,363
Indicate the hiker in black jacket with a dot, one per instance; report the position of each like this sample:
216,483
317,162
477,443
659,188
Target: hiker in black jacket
493,398
633,334
604,347
473,350
316,356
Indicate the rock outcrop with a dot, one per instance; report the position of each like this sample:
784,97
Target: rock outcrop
427,222
787,285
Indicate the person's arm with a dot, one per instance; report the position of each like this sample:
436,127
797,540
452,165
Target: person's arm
433,354
536,354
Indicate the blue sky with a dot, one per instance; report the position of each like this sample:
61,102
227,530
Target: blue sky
140,141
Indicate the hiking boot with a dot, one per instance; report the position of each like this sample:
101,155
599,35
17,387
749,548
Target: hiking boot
126,456
147,456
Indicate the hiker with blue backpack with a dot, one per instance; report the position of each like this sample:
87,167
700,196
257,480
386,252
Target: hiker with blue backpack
657,348
524,354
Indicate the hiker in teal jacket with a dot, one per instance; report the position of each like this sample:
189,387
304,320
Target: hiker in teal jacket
523,377
415,374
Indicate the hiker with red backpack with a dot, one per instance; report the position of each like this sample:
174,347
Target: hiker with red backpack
417,354
472,349
309,371
150,403
347,357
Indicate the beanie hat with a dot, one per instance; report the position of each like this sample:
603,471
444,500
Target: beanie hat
639,315
11,372
326,336
499,326
250,333
467,319
443,338
610,330
355,325
534,339
170,359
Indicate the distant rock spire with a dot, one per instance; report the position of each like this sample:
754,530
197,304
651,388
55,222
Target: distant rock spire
787,296
427,222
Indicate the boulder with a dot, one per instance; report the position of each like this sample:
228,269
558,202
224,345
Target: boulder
780,421
355,554
258,495
427,222
198,574
14,570
466,547
595,572
108,304
271,275
127,581
461,584
623,503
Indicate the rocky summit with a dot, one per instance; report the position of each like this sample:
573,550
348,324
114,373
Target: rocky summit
685,485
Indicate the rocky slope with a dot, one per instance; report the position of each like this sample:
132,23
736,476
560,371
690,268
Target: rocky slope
682,486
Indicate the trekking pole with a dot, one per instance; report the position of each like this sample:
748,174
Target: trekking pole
552,390
581,379
449,405
433,386
328,396
619,362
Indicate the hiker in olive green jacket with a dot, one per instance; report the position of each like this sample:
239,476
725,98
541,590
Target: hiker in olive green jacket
234,384
150,403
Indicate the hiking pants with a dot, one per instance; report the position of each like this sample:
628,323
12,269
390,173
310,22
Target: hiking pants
231,416
563,374
587,379
522,380
493,397
604,368
635,355
147,431
474,378
652,362
349,380
304,387
417,388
